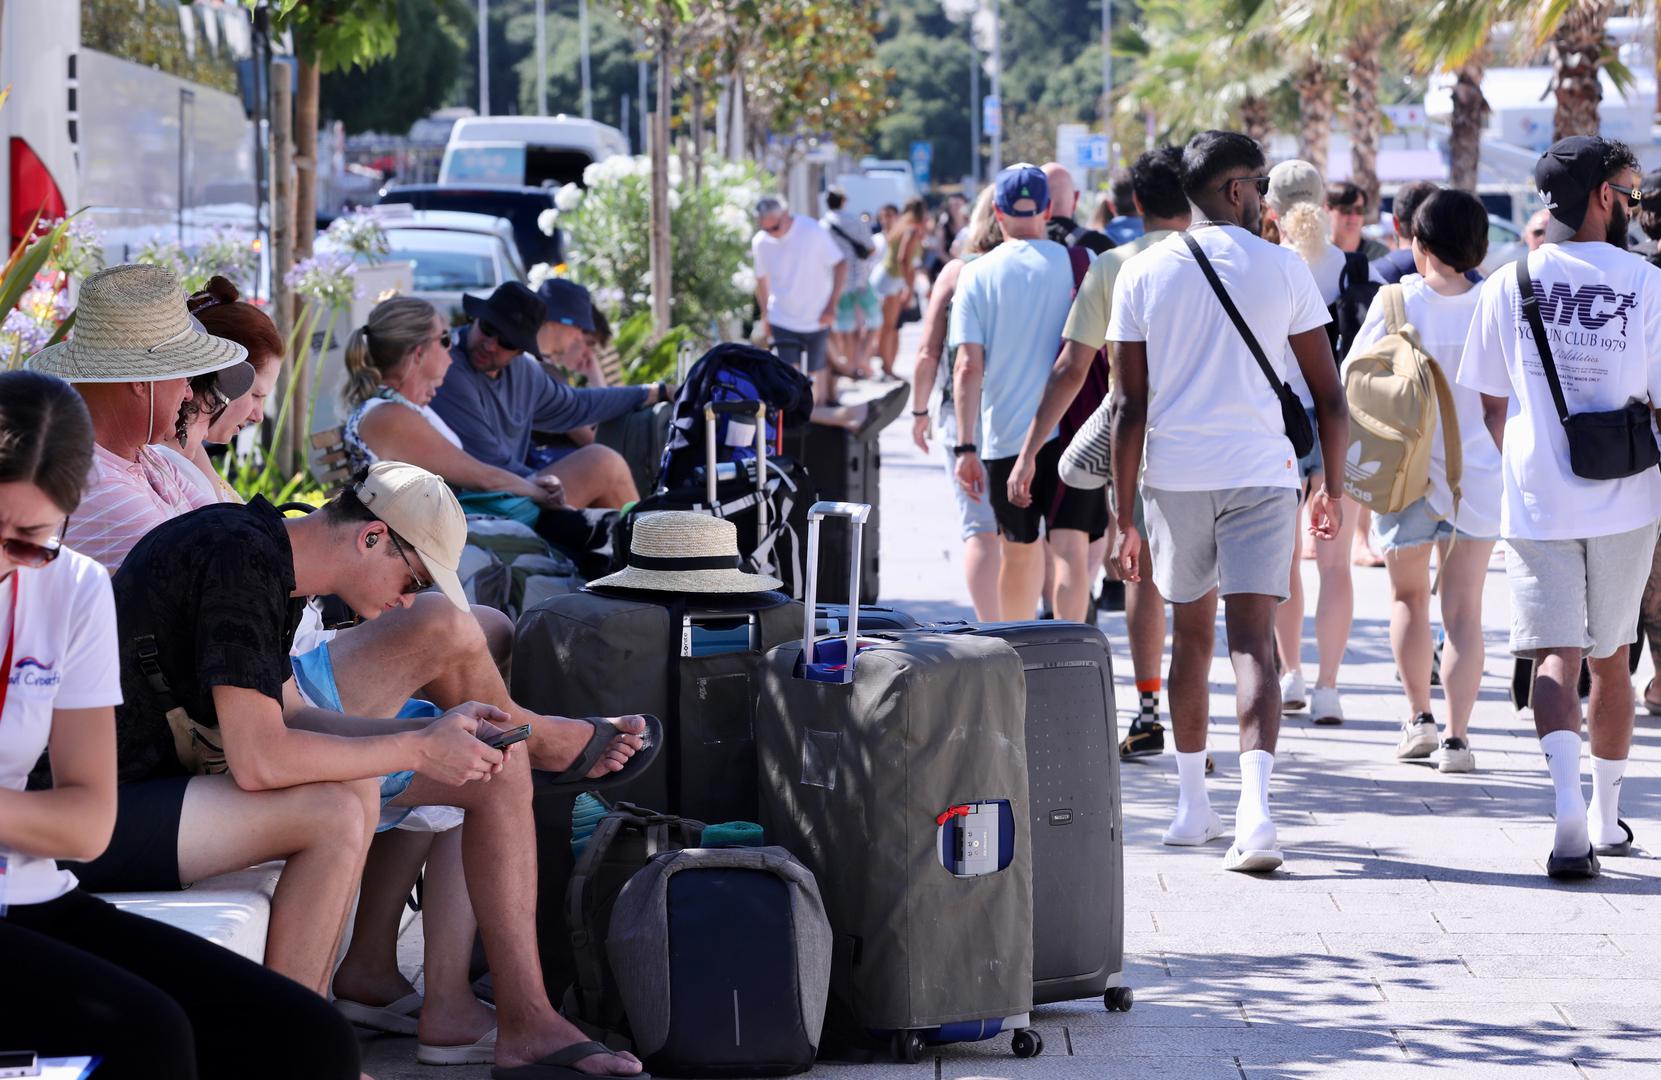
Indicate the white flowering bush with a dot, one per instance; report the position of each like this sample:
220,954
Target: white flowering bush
231,253
607,231
361,233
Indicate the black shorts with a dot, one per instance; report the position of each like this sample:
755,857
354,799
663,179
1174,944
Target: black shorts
1054,504
143,855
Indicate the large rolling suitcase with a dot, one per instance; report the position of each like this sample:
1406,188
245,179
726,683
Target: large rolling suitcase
640,437
895,769
1078,853
846,468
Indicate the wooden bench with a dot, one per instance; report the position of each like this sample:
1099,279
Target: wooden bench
332,466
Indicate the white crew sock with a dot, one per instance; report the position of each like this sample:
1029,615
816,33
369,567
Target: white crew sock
1254,830
1562,750
1605,811
1193,804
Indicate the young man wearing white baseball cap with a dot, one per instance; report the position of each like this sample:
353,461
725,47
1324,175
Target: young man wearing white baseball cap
207,603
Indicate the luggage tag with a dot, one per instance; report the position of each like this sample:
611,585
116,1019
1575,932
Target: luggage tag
976,838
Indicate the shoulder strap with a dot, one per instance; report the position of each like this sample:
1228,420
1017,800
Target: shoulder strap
1356,268
1452,449
1080,260
1234,313
1531,308
1395,308
861,251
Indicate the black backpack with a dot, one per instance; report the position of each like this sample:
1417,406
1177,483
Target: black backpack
1356,290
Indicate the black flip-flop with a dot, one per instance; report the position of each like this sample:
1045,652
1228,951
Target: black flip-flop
883,411
1573,867
560,1065
574,779
1618,850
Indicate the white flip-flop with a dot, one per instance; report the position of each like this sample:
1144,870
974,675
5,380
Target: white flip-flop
1213,830
1252,862
398,1018
482,1052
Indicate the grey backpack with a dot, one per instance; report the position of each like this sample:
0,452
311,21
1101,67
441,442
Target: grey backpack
722,958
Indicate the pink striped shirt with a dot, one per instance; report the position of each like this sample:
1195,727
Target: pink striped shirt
126,499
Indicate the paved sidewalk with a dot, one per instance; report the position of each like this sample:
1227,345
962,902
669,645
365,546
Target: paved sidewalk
1412,931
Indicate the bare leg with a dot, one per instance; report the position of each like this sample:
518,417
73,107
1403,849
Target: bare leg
1145,622
982,560
1556,698
501,879
1609,710
450,1015
433,651
824,386
1020,580
1047,593
888,341
1289,613
1464,570
1361,541
369,972
1072,574
1249,620
1410,639
1193,637
322,830
595,476
1335,607
498,636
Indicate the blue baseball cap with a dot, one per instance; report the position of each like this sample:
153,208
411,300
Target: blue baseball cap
1023,181
568,303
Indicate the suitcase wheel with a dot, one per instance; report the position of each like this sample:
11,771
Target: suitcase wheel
1119,999
907,1047
1027,1043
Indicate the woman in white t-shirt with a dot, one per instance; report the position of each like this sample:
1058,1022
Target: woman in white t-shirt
1297,198
1450,236
80,976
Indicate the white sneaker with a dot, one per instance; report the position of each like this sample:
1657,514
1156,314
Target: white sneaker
1324,706
1292,694
1418,738
1454,756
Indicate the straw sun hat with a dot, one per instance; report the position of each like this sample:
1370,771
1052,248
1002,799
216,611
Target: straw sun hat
132,325
681,551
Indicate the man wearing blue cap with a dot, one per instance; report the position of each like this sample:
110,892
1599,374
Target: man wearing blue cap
1006,322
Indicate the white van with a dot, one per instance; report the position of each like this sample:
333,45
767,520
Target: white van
527,151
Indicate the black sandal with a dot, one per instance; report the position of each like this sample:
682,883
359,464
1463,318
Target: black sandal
1573,867
574,778
1619,850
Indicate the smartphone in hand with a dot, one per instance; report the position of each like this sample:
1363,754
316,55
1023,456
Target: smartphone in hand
504,739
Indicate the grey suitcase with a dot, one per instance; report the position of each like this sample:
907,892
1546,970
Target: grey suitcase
900,781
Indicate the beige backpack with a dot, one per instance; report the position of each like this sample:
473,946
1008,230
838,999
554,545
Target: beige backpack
1395,390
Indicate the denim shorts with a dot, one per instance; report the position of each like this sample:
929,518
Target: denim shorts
1412,526
314,676
974,517
1310,463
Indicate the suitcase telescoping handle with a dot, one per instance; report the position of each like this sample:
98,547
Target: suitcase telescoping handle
857,514
739,408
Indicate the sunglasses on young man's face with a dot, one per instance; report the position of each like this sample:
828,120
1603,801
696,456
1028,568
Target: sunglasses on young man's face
1262,183
415,583
1634,196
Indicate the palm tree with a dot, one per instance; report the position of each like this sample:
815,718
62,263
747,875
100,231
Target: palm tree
1314,84
1452,35
1577,43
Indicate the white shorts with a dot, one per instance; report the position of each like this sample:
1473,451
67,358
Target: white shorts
1578,594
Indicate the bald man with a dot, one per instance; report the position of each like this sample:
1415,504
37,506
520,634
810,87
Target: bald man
1534,233
1063,203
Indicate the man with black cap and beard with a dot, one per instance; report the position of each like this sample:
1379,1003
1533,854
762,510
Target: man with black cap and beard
1574,328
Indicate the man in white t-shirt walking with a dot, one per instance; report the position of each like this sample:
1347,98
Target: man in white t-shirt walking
1220,493
800,272
1580,548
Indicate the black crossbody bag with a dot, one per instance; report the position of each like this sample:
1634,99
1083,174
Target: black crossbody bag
1292,413
1602,445
861,251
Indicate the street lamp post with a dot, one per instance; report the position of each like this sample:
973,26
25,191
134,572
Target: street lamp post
974,110
582,33
1107,67
542,57
995,166
484,57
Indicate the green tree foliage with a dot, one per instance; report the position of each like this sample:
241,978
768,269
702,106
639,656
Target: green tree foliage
391,94
612,63
930,88
338,34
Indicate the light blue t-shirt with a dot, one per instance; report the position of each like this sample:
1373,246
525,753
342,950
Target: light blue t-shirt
1013,301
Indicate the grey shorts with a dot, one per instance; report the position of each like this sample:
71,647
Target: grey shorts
1235,541
804,351
1578,594
975,517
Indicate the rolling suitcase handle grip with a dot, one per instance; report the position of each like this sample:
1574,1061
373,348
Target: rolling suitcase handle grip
857,514
738,408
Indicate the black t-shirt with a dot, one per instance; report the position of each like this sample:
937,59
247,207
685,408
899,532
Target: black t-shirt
1069,233
213,588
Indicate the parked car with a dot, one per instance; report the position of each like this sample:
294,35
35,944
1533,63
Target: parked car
450,254
535,150
521,206
1505,244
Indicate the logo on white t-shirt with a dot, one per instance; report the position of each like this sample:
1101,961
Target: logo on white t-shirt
35,678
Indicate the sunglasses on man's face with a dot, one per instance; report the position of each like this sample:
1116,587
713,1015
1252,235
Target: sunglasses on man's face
32,555
1634,196
415,583
1262,183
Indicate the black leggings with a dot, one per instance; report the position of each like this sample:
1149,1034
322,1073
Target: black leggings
81,977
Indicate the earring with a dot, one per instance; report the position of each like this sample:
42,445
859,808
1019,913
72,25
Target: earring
369,541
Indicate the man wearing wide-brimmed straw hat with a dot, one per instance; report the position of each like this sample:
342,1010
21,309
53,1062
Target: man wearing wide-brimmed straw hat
132,353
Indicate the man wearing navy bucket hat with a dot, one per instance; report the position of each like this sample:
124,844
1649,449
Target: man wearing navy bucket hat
496,394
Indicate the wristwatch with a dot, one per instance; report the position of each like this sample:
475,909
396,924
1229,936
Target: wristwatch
963,448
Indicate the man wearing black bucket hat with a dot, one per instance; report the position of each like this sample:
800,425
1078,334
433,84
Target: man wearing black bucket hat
496,394
1565,349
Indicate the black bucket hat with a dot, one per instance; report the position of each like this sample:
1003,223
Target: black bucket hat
513,312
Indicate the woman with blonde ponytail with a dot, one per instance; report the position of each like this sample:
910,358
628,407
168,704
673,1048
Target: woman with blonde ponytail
1297,201
399,357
